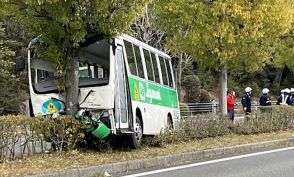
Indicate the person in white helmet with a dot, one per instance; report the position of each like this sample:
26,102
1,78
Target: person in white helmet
281,97
265,99
284,99
292,96
287,99
246,100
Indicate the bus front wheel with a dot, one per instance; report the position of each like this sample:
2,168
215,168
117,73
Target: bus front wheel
136,137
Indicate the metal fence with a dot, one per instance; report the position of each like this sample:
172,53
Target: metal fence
199,108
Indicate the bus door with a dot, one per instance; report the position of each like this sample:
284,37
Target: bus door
122,98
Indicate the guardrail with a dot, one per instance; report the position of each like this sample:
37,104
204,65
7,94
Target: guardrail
199,108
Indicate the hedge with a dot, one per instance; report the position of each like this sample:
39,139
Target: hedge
21,136
265,120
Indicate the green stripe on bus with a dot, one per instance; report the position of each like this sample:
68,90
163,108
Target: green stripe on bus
152,93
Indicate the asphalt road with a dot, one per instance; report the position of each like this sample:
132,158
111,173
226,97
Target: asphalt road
273,163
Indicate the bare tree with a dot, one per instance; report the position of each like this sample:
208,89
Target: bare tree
144,30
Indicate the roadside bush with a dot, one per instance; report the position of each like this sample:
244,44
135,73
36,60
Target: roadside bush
194,128
185,110
191,84
265,120
204,96
21,136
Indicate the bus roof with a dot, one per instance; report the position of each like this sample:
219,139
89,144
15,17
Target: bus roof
144,45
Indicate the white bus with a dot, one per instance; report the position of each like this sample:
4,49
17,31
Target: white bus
126,84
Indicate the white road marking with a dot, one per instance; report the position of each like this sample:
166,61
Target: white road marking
208,162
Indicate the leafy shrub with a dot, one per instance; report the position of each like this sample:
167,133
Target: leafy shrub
265,120
22,136
204,96
194,128
191,84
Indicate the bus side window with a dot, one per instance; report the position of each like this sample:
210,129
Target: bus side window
163,71
149,65
155,66
131,58
139,61
169,72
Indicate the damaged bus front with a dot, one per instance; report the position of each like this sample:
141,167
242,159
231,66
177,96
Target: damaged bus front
96,85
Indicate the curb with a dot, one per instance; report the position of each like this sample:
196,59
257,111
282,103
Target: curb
165,161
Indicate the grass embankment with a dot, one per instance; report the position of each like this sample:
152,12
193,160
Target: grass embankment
53,162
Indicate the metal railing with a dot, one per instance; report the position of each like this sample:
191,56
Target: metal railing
199,108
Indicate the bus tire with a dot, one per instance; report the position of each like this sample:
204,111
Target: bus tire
135,139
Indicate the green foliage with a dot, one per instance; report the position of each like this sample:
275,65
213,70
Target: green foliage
208,79
6,53
285,54
192,87
65,24
204,96
12,87
62,26
232,33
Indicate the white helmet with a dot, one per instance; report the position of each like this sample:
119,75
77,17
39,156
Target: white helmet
292,90
248,89
287,90
282,91
265,91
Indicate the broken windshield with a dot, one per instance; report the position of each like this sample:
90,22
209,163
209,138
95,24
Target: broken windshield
94,65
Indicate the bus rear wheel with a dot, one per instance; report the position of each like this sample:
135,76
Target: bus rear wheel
135,139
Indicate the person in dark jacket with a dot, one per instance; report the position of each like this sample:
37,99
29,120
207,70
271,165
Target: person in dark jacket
281,97
292,96
246,101
265,99
284,98
287,100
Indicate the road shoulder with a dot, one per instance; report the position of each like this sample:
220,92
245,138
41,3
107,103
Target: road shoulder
168,160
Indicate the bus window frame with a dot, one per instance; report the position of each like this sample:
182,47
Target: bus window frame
157,55
127,60
164,63
172,73
159,69
142,60
156,68
146,73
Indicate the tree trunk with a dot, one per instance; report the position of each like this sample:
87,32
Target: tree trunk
223,79
278,78
71,86
179,76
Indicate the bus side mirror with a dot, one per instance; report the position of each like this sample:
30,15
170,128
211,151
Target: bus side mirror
20,64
